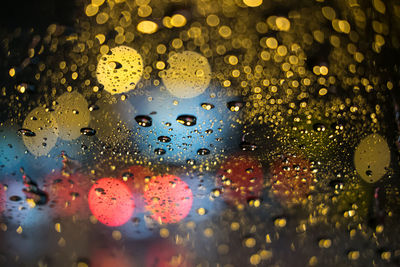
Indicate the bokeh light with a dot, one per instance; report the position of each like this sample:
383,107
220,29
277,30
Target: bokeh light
168,199
110,201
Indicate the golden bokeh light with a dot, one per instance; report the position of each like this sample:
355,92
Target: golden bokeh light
188,76
120,70
43,124
71,113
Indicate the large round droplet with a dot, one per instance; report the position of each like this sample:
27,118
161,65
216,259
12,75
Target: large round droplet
88,131
187,120
120,69
164,139
372,158
144,120
203,151
188,76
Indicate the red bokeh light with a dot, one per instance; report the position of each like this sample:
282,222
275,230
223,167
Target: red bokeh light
134,177
291,179
241,177
168,198
111,202
67,194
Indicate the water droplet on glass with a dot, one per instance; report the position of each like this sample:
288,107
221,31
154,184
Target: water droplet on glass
164,139
15,198
88,131
159,151
191,162
209,131
26,132
235,106
100,190
207,106
144,120
187,120
203,151
246,146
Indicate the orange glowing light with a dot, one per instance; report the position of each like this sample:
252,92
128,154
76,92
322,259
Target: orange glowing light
241,178
292,178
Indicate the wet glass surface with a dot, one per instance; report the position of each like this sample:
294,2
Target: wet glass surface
199,133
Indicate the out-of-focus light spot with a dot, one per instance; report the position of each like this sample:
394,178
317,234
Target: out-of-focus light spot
322,91
241,178
45,129
102,18
283,24
178,20
291,179
11,72
168,199
212,20
188,76
97,2
91,10
71,114
253,3
272,43
111,202
369,166
120,70
147,26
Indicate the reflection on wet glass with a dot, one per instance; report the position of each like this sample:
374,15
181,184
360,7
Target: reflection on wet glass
200,133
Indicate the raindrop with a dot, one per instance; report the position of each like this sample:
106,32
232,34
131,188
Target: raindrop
235,106
187,120
159,151
246,146
203,151
15,198
207,106
143,120
209,131
26,132
164,139
88,131
191,162
100,190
